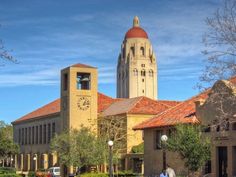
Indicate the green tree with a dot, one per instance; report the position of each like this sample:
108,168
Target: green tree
7,146
191,144
78,148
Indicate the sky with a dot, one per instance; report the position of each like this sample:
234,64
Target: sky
47,36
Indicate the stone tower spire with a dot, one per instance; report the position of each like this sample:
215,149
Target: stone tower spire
136,68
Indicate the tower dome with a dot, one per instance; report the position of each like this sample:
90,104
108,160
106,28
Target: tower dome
136,31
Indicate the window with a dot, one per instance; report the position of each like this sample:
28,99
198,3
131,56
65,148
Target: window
234,126
40,134
158,134
83,81
132,50
142,65
135,72
44,133
65,82
53,129
23,137
143,73
143,91
33,135
49,133
142,51
26,136
30,135
37,135
151,73
142,80
19,137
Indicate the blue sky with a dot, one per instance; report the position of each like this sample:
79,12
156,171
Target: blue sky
46,36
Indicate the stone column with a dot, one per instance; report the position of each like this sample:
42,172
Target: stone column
54,159
230,160
45,161
16,161
28,162
21,162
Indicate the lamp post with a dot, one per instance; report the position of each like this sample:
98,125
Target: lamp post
12,162
110,144
164,138
35,162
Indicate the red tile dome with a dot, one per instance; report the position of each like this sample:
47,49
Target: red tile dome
136,32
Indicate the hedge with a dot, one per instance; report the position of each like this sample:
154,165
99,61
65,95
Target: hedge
121,174
9,175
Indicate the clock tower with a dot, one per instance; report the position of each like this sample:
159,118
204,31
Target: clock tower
79,96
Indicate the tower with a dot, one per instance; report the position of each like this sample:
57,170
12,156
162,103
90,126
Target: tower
136,68
79,96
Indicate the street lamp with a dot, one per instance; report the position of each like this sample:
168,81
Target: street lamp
110,144
164,138
35,162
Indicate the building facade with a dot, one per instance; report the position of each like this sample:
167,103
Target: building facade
137,66
80,104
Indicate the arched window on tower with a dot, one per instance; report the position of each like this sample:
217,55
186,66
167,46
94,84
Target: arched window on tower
135,71
142,51
143,73
151,73
132,50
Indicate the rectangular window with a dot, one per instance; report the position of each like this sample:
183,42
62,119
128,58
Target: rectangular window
49,133
158,134
53,129
33,135
30,133
83,81
44,133
19,136
23,136
65,82
37,135
40,134
26,136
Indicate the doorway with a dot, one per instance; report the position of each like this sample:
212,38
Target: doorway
222,156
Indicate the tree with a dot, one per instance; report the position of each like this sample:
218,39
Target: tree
7,146
78,148
192,146
220,43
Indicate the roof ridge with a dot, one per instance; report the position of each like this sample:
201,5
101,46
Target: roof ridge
139,99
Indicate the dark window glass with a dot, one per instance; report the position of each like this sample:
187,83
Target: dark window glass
234,126
40,134
53,129
83,81
33,135
30,133
37,135
158,134
44,133
19,136
26,136
49,133
142,51
65,82
132,50
143,73
23,136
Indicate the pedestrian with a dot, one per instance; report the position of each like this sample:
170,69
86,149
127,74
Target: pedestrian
170,171
163,174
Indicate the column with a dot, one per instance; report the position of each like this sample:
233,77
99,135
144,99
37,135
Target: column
16,161
28,162
45,161
21,162
230,160
54,159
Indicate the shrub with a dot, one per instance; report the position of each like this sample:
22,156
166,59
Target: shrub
138,149
9,175
120,174
31,174
4,170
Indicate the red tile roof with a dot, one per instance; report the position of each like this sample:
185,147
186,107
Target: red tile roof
138,105
183,112
53,108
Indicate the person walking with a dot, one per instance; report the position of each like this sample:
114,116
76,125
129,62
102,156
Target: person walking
170,171
163,174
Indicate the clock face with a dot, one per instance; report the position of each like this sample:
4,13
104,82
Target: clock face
83,103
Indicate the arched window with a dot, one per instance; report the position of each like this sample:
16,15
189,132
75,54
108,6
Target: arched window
132,50
151,73
143,73
142,51
135,71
